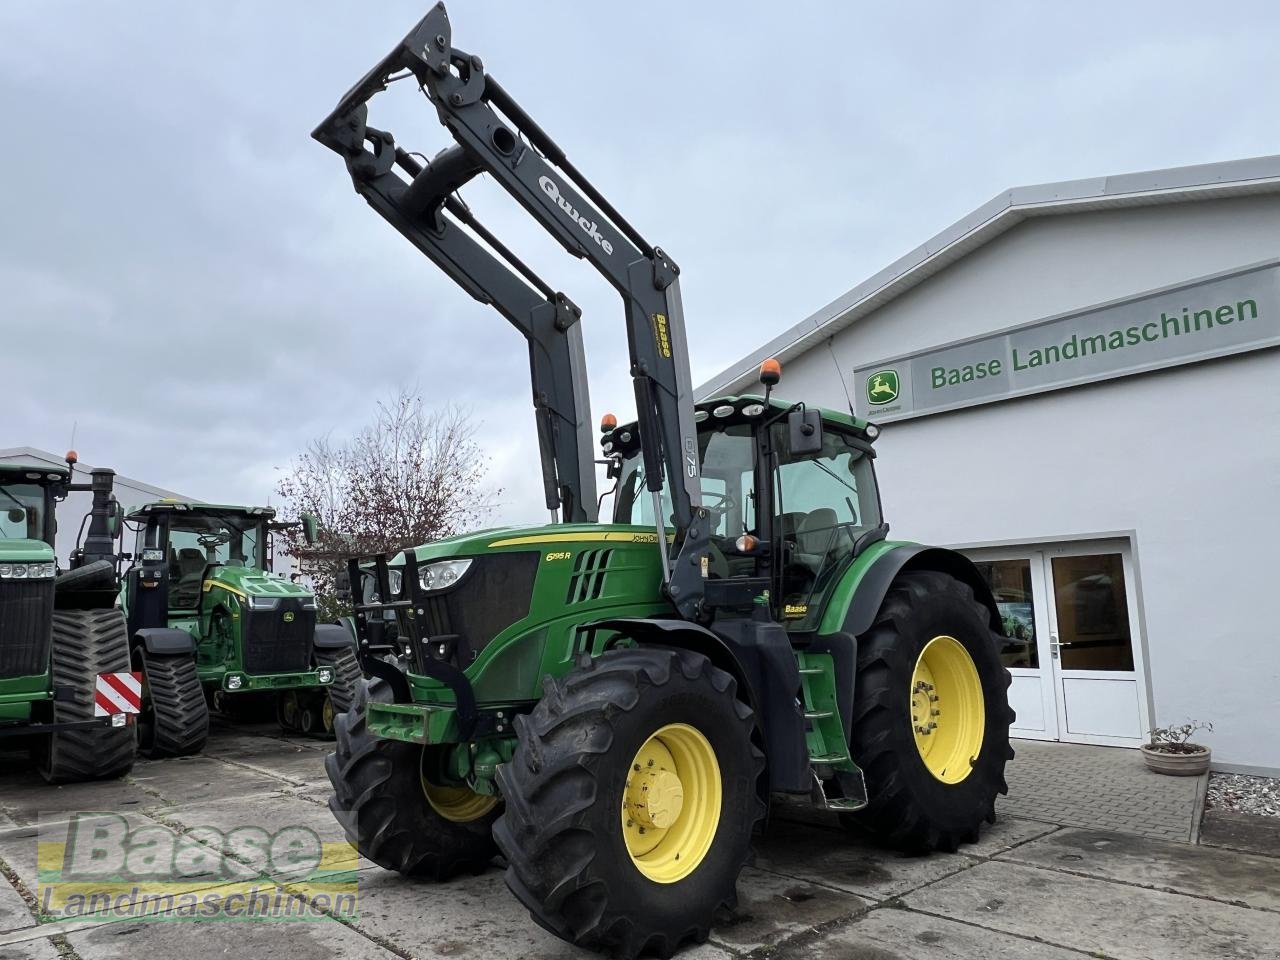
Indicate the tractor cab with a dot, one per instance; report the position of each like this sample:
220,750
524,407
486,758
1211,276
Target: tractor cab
180,546
27,497
790,495
185,540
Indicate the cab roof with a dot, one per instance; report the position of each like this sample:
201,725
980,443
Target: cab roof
36,472
197,507
626,435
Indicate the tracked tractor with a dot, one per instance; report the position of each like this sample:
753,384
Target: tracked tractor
611,704
65,681
210,624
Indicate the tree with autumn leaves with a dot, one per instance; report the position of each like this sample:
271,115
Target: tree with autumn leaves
413,475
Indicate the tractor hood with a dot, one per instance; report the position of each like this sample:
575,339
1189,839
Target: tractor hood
24,551
559,536
251,582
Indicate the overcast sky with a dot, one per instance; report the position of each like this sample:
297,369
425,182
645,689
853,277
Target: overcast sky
189,277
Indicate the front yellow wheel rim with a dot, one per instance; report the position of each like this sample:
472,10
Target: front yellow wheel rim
457,804
671,803
948,714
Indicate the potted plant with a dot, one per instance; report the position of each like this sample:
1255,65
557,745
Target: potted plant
1172,753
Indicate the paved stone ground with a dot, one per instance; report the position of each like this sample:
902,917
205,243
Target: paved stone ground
1028,889
1104,787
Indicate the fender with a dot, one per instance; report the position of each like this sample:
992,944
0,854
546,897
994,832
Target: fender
163,641
870,589
332,636
692,637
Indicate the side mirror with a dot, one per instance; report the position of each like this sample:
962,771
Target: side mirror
116,520
805,428
310,528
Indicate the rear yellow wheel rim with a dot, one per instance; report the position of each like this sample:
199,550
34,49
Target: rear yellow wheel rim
457,804
671,803
948,714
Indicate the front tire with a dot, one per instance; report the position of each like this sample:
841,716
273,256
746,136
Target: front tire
85,644
931,716
380,797
591,854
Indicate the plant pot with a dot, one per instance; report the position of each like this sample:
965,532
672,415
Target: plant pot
1177,764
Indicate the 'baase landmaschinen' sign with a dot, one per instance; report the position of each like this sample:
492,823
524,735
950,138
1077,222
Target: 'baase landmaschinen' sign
1210,317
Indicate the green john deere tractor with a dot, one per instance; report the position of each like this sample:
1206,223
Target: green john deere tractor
206,615
611,705
60,634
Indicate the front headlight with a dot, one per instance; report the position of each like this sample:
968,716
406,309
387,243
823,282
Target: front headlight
263,603
27,571
395,579
234,681
325,675
439,576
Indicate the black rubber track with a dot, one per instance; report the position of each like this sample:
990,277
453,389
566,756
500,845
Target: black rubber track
909,808
175,720
85,644
561,832
100,573
347,677
378,799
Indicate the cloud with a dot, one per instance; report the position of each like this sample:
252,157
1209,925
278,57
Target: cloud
190,279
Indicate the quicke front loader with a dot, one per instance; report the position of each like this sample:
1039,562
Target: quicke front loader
611,705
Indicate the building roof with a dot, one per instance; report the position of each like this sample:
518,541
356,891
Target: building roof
45,460
1206,181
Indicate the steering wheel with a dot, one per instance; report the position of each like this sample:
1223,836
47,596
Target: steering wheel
210,540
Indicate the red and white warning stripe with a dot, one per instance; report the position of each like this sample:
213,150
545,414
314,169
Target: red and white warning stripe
115,693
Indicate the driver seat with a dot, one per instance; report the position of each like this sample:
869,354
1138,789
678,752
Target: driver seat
816,535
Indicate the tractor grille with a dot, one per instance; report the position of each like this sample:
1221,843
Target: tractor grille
493,595
279,640
26,626
587,582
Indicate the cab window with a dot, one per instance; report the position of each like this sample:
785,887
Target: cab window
22,510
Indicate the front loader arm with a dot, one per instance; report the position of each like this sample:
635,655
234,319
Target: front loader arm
495,136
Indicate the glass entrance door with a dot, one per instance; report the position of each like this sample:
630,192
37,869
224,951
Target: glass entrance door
1069,616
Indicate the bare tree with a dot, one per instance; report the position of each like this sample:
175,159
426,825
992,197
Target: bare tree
411,476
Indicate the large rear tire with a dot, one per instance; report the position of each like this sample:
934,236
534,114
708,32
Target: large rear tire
175,715
931,716
593,856
85,644
380,798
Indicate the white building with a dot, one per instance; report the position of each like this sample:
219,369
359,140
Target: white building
131,493
1077,390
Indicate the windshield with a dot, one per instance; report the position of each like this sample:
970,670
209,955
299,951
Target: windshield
22,511
728,458
197,540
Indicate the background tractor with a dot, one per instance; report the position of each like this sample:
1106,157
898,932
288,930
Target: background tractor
60,634
611,705
206,615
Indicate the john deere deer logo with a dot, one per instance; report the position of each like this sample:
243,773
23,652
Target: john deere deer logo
882,387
